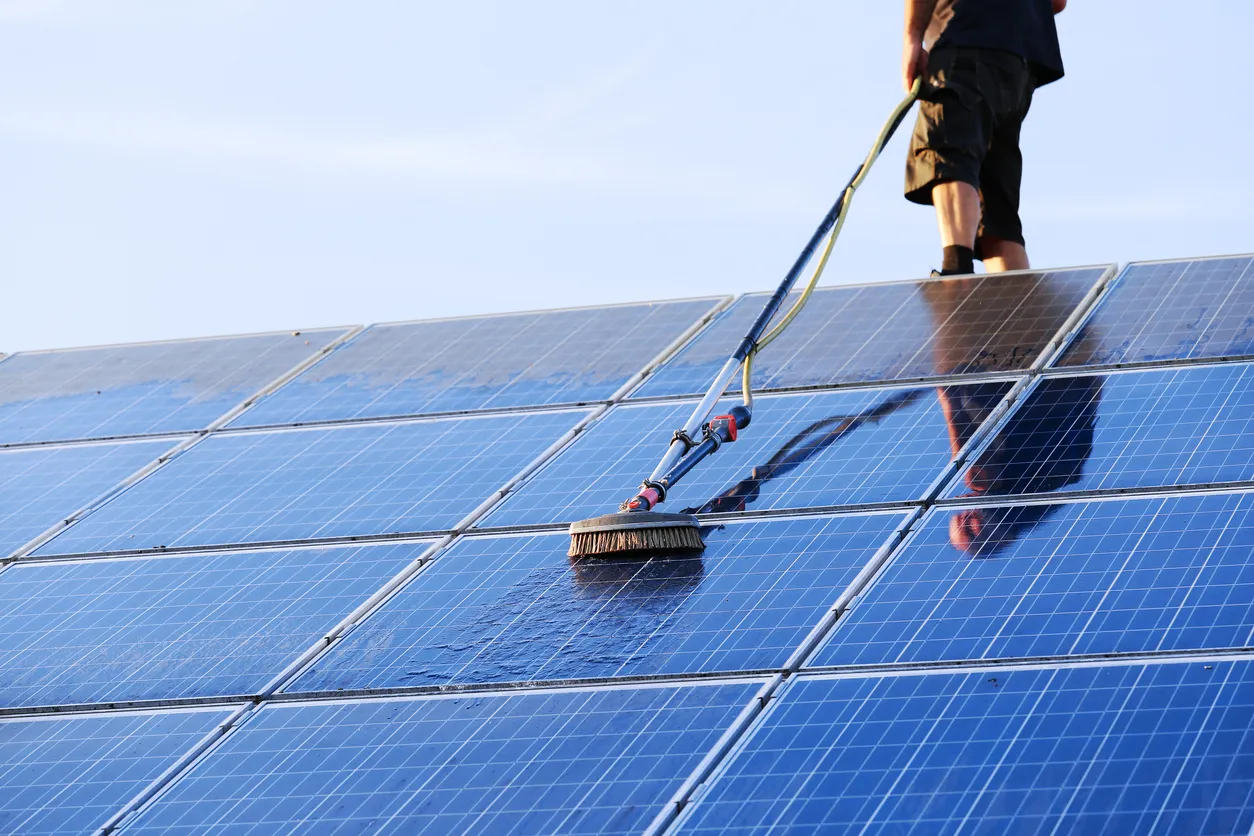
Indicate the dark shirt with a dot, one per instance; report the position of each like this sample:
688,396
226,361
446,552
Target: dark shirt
1024,27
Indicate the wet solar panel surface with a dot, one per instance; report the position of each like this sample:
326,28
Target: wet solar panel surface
142,388
580,762
800,451
891,332
1173,310
69,774
41,486
317,483
503,609
1114,576
1145,429
489,362
1123,749
175,627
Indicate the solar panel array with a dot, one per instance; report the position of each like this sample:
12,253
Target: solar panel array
984,561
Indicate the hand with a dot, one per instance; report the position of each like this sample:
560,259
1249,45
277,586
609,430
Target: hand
913,63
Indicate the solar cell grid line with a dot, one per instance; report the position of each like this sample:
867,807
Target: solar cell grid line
817,449
490,362
140,388
560,760
66,774
1103,748
1166,573
405,477
132,629
1159,311
1143,428
898,331
514,608
40,487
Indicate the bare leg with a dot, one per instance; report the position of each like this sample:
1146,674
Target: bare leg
1001,255
957,213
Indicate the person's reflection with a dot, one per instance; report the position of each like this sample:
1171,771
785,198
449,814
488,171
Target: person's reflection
1042,448
799,449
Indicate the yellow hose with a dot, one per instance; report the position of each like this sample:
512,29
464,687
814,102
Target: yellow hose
880,141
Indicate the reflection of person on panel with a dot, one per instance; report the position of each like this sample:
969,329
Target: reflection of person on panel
1044,444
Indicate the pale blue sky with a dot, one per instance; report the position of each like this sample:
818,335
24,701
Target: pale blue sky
172,169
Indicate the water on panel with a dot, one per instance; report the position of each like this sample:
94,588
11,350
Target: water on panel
513,608
317,483
891,332
1147,749
40,486
577,762
1144,429
1171,311
1112,576
483,362
152,628
800,451
61,775
142,388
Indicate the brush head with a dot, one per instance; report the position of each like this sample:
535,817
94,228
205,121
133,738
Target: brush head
636,532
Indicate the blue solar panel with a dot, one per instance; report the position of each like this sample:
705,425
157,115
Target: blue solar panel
70,774
1161,427
891,332
483,362
578,762
173,627
145,388
499,609
318,483
1088,577
1138,749
41,486
1171,311
805,450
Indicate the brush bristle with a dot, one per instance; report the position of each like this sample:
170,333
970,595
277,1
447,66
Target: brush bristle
659,539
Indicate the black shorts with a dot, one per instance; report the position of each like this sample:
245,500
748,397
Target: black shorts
968,130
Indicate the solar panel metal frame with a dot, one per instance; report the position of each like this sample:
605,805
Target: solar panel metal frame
1108,288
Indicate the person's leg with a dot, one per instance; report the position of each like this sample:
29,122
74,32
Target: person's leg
1000,237
1001,255
947,152
957,213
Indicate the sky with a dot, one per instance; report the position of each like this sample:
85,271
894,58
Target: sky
179,168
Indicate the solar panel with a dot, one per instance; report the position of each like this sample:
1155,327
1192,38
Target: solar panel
1152,428
343,481
63,775
579,762
514,608
484,362
142,388
1156,574
1171,310
891,332
1135,749
111,630
41,486
803,450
